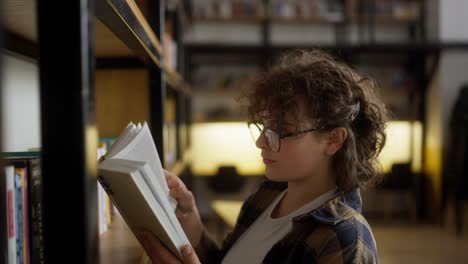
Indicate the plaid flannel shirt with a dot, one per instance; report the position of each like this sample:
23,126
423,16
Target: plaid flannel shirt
336,232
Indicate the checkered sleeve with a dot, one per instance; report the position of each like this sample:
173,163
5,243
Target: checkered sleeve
347,250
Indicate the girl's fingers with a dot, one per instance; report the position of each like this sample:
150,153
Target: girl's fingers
171,179
185,200
157,252
178,190
189,255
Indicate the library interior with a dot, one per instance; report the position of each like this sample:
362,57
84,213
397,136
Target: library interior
182,67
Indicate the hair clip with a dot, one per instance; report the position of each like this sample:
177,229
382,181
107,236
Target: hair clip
355,111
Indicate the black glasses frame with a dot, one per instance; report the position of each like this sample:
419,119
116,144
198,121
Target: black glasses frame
280,136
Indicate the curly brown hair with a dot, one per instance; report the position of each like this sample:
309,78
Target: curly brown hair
335,95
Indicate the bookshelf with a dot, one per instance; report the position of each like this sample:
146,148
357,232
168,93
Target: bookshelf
113,42
351,29
356,30
408,59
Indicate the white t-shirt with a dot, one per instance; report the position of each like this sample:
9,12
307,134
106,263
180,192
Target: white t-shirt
257,240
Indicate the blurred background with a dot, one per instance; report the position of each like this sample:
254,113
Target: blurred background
416,50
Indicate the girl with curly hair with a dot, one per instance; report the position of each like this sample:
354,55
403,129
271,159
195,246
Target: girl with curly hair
320,127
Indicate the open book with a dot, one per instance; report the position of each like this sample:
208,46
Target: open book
132,175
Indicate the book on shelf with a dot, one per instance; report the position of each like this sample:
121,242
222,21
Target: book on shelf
104,203
132,175
22,208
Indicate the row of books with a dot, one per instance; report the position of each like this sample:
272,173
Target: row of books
216,87
22,208
221,77
396,9
334,10
330,10
395,85
226,9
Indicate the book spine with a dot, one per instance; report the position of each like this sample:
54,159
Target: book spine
108,210
101,210
35,194
25,213
19,216
11,213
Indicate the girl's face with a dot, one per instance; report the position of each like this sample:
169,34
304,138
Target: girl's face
299,157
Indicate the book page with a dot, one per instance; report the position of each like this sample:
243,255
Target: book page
133,133
122,140
147,174
177,240
143,148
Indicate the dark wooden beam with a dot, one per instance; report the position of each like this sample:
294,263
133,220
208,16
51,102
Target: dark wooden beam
20,45
68,131
208,48
3,188
157,82
119,63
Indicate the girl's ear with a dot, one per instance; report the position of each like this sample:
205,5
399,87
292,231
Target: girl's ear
335,140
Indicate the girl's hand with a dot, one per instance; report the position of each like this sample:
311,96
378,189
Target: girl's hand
187,211
159,254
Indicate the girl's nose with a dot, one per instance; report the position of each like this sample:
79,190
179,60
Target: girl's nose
261,142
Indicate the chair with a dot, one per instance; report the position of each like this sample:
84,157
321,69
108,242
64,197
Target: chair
455,180
226,180
400,180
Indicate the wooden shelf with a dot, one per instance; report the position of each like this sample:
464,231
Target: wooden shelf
230,20
174,80
127,22
384,19
307,21
118,244
214,48
119,30
20,21
125,19
260,19
217,93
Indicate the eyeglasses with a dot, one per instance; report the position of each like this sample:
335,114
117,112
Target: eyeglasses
273,139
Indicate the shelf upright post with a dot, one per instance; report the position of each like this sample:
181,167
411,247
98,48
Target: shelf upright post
157,84
266,53
180,97
68,131
3,217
